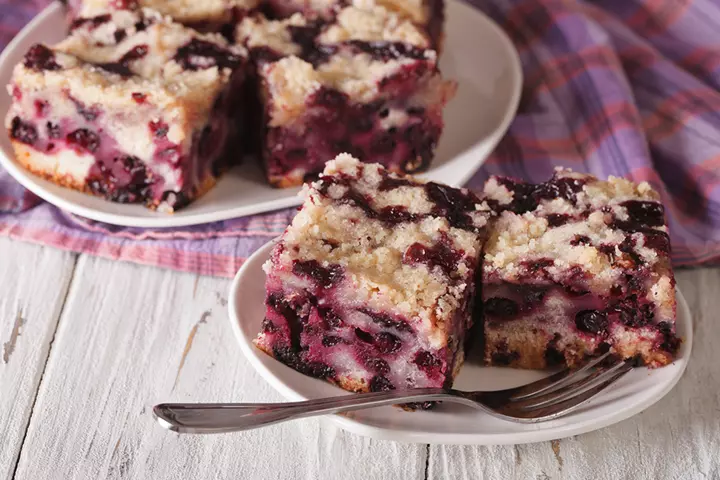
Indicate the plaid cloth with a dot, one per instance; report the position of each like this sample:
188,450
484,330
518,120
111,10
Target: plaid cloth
614,87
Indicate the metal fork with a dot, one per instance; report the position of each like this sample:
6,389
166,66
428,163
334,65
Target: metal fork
546,399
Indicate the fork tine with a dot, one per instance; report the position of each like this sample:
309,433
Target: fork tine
568,406
570,390
555,381
565,407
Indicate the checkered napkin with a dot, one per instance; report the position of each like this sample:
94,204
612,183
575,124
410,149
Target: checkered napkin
615,87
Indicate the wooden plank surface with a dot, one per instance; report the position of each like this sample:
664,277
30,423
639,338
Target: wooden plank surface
133,336
677,438
123,337
33,284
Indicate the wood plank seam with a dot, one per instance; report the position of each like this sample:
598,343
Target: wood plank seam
47,358
427,460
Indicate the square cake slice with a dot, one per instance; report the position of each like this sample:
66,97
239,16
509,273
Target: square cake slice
372,285
146,116
382,102
574,267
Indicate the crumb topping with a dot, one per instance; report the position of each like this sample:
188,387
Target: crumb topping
575,220
372,24
150,51
291,80
416,10
258,31
184,11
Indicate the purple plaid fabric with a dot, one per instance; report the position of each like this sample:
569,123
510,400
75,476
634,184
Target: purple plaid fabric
619,87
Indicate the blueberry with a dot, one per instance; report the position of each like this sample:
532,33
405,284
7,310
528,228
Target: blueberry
386,342
591,321
23,132
501,307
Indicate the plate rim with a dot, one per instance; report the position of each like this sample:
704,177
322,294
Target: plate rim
36,186
252,355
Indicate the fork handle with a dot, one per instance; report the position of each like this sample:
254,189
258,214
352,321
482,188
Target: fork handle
235,417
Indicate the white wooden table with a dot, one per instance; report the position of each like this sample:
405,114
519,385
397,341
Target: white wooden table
88,345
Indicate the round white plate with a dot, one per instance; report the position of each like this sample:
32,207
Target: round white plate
450,423
477,54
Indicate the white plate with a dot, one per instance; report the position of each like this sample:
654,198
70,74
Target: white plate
451,423
477,54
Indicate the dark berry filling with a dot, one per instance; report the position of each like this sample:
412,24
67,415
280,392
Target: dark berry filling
88,113
651,214
453,204
553,356
558,219
502,355
658,241
53,130
122,66
84,139
428,363
378,366
323,276
440,255
581,240
92,22
331,340
268,326
387,51
311,51
363,335
175,199
23,132
290,313
387,321
501,307
40,57
119,35
200,55
391,183
331,319
591,321
125,180
670,342
294,360
386,342
526,197
504,358
380,384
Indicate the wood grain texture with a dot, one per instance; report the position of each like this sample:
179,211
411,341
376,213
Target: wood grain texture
678,437
133,336
33,285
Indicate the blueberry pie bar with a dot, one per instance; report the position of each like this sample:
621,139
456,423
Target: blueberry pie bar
372,285
328,91
366,84
574,267
131,106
